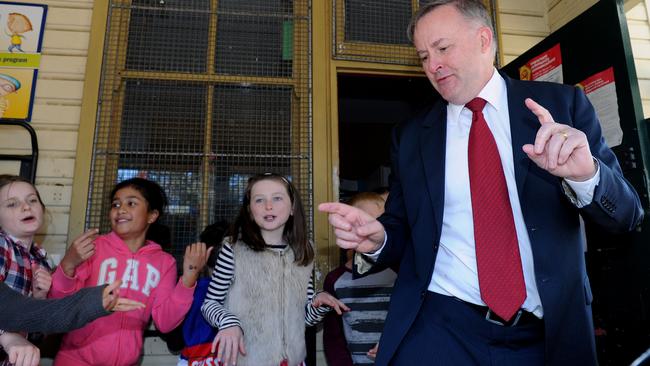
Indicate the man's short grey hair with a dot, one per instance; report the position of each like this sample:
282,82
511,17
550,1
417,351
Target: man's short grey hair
470,9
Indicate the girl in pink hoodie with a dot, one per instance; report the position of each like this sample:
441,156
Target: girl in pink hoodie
148,275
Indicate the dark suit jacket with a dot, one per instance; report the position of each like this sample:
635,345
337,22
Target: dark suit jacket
415,206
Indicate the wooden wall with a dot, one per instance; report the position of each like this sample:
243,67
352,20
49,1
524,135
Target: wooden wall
638,23
56,113
522,24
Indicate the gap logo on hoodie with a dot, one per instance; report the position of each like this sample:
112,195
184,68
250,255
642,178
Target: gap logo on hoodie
130,278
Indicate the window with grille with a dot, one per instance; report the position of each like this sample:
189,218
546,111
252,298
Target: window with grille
198,95
375,31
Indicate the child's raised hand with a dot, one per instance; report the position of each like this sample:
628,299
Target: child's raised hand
196,255
82,248
112,301
41,281
228,343
324,298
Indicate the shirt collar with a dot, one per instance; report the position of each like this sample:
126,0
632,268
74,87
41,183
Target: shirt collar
493,92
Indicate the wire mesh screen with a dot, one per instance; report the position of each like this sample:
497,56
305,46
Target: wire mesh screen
199,95
375,31
368,30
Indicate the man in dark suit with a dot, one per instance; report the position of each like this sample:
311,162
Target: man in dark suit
454,301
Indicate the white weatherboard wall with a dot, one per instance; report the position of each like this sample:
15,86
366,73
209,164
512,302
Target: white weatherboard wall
522,24
56,113
638,23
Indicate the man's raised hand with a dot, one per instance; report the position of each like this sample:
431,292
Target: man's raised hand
559,149
354,229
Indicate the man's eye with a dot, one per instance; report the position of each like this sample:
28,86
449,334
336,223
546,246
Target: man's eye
115,205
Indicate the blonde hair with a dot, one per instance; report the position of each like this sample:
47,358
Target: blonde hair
366,197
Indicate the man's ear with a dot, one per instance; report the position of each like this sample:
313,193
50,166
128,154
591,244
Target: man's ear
487,38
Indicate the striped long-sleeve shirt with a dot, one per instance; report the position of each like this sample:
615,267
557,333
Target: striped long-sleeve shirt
222,276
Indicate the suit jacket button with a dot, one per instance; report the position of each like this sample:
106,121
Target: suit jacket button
423,294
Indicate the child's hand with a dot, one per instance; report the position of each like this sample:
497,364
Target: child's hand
228,343
112,301
41,281
372,354
20,352
81,249
324,298
196,255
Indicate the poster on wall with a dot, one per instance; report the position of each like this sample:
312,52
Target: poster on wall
20,56
545,67
600,89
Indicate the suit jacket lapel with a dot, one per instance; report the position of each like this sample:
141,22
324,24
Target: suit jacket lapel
523,129
432,149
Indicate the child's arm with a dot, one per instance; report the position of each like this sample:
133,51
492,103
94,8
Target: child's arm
334,343
41,281
75,267
319,304
230,338
174,298
19,350
82,248
213,310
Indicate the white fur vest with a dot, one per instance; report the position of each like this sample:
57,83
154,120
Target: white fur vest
268,295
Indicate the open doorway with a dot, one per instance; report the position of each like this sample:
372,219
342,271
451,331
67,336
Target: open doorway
369,107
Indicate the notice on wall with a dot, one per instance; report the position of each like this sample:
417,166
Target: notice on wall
601,91
545,67
20,56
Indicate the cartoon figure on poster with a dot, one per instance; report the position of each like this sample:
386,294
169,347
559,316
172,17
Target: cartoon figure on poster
21,38
17,25
22,27
15,89
8,85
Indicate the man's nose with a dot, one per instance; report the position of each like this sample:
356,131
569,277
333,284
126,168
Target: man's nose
433,64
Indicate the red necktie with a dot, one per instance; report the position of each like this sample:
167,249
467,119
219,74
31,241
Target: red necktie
500,277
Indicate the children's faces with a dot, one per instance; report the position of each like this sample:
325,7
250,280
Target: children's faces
21,212
130,216
270,205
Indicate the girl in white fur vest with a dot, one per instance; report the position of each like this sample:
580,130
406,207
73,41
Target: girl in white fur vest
261,292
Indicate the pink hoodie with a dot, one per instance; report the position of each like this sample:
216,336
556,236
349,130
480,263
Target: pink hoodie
149,276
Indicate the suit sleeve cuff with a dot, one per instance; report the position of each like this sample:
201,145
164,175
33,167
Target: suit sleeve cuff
364,262
582,193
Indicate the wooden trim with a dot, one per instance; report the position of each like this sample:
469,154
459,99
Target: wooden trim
80,183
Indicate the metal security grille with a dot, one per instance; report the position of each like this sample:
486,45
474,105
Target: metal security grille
198,95
368,30
375,31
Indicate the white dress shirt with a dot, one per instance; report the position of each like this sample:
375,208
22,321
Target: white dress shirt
455,272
